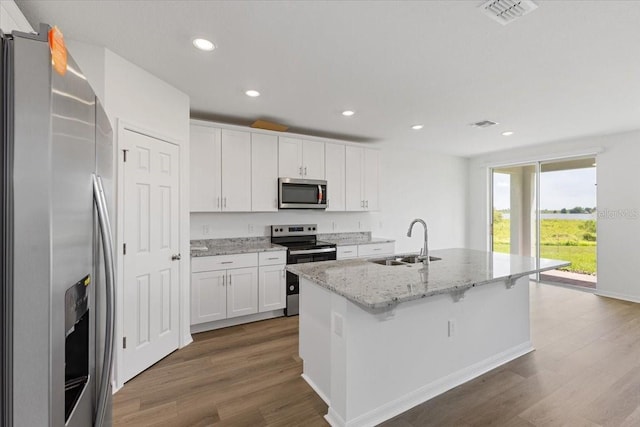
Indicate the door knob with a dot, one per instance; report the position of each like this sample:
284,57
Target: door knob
176,257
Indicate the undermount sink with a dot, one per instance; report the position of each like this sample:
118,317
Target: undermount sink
387,262
399,260
415,259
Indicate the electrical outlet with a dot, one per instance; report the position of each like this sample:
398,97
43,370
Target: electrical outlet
359,225
206,230
452,328
333,225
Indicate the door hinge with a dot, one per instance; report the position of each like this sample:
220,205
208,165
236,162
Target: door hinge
124,155
124,342
124,249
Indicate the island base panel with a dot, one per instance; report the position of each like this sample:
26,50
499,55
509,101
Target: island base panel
369,367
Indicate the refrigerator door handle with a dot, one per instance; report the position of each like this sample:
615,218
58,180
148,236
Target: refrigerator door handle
107,249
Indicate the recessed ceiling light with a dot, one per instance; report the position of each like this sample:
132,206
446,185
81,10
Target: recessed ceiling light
204,44
348,113
507,133
252,93
417,127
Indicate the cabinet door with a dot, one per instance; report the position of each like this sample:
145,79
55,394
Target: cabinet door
353,179
371,181
236,171
335,164
242,291
347,252
289,157
272,288
313,159
204,167
208,296
264,172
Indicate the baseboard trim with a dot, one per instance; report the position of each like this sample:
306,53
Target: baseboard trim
616,295
430,390
209,326
316,389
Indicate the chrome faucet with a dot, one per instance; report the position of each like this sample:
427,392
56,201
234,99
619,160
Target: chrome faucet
424,252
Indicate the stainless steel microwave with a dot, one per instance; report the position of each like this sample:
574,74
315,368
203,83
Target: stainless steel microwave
296,193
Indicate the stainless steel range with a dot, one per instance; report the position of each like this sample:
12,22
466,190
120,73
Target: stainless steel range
302,246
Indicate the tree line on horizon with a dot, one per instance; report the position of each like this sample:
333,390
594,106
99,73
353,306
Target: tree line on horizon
574,210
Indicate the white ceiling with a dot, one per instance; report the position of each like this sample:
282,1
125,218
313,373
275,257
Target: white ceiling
568,69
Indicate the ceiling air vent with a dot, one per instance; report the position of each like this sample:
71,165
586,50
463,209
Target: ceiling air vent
483,124
505,11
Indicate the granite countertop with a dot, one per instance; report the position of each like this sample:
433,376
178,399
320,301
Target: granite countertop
376,286
355,238
242,245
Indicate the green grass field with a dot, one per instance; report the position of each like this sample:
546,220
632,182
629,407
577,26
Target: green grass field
570,240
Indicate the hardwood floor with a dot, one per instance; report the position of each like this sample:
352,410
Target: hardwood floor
585,372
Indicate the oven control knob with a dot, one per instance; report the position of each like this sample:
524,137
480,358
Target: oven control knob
309,228
291,288
314,229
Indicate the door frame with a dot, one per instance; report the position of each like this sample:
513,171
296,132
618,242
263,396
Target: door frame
537,162
184,322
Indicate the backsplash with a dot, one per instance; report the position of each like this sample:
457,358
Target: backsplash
353,237
256,224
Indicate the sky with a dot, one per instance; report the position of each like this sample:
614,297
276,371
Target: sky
558,189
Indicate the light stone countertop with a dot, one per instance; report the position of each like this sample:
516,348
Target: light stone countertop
241,245
353,238
376,286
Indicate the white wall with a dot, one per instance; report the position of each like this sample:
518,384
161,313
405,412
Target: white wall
12,19
412,184
618,190
135,98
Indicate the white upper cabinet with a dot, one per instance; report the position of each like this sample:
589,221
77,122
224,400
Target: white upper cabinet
371,181
313,159
205,164
290,157
264,172
335,176
353,183
298,158
362,179
236,171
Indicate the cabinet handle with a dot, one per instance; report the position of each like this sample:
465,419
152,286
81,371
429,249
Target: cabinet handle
305,171
347,252
226,262
218,204
377,249
224,281
301,171
367,204
225,202
230,280
275,257
362,203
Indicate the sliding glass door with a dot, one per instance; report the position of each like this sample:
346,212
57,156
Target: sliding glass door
548,209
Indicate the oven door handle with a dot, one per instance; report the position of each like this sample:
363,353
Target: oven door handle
312,251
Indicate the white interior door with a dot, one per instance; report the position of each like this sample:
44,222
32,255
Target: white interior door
151,236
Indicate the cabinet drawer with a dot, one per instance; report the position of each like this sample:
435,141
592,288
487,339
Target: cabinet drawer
272,258
223,262
375,249
346,252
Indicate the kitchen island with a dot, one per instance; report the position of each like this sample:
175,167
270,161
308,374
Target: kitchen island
377,339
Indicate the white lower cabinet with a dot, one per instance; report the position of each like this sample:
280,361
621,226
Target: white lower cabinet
376,249
242,292
208,296
230,286
272,288
346,252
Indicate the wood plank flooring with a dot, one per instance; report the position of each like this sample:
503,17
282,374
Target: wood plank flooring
585,372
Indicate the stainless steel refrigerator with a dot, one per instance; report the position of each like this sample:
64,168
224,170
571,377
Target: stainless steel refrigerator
57,303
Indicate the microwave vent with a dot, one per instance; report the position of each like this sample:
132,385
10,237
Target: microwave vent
506,11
